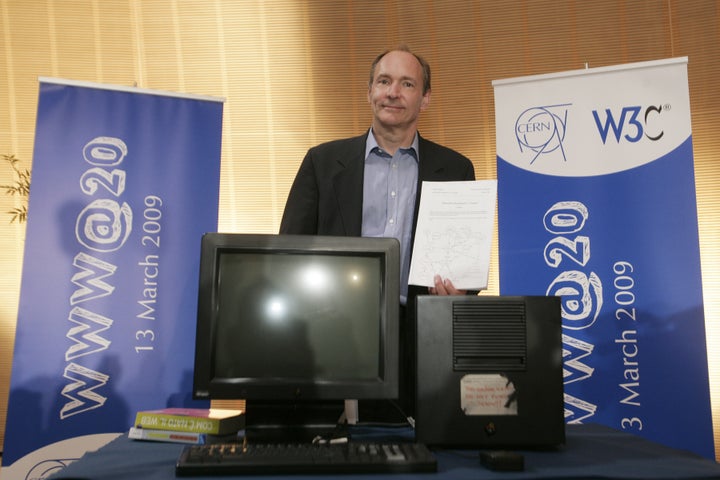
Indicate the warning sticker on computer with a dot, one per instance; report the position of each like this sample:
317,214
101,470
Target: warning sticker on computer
492,394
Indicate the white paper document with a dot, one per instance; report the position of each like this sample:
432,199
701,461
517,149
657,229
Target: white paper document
454,233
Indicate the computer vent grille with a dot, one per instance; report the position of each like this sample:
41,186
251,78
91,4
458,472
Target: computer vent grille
489,337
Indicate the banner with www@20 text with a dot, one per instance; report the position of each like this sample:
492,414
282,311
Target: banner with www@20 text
124,184
596,204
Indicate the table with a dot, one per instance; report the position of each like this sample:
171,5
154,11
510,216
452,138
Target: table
591,451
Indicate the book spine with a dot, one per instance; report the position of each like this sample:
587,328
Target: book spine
166,436
177,423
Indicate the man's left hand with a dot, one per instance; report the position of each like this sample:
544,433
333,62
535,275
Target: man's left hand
444,287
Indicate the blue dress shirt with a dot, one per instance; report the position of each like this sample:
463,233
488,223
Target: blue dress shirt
389,190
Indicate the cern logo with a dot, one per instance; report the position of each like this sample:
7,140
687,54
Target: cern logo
542,130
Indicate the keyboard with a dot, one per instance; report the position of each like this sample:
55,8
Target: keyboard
304,458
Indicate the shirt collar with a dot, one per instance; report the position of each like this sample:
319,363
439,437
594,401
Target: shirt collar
371,143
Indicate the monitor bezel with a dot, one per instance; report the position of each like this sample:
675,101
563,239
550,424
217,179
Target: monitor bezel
385,386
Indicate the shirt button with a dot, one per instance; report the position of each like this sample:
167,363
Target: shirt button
392,221
393,194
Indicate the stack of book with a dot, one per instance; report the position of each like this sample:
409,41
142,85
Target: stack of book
187,425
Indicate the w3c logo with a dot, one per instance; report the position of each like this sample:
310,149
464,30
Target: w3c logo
632,124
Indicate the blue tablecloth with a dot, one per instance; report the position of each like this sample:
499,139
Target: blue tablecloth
591,451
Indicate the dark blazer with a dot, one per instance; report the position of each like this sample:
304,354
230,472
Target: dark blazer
326,196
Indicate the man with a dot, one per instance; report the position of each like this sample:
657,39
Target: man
369,185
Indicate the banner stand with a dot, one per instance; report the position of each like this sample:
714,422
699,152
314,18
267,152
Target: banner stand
596,204
124,184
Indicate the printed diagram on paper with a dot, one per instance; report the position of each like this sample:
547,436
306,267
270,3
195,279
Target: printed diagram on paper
454,233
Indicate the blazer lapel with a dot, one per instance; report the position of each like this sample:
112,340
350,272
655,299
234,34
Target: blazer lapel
431,166
348,185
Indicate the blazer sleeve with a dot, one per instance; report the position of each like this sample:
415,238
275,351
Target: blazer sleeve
301,207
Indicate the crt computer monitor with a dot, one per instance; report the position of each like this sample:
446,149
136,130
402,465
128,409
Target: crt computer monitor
295,324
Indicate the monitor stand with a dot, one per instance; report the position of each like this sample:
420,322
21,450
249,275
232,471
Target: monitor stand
351,412
287,421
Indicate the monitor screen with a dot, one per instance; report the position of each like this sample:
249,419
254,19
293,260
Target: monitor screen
294,317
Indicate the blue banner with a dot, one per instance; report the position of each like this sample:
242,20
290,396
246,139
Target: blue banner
124,183
596,203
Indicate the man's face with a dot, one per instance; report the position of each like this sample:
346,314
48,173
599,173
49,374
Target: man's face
396,93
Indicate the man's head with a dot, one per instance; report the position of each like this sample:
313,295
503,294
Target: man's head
399,89
403,48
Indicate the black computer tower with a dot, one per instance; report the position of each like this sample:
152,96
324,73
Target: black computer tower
489,372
